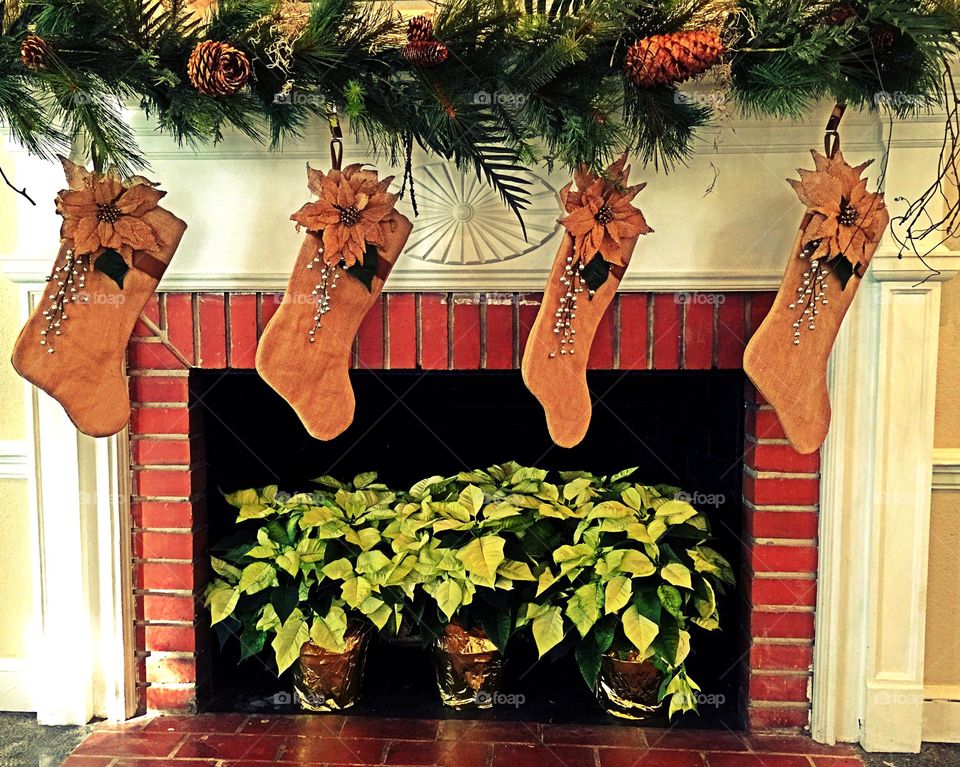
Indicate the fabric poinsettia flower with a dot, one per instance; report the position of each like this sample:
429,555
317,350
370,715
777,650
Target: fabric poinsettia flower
352,212
100,211
847,218
600,213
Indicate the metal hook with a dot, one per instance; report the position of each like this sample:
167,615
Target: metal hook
336,141
831,138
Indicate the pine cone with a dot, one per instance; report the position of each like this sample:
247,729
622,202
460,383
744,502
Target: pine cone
420,29
427,53
36,53
666,59
839,14
218,69
883,37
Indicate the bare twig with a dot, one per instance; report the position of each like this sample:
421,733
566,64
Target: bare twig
22,192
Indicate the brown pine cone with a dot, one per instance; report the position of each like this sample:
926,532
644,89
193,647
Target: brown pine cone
427,53
839,14
36,53
218,69
883,37
666,59
420,29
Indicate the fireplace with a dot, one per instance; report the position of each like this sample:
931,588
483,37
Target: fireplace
191,366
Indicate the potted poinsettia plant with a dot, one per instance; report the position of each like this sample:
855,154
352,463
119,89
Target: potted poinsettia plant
475,538
631,584
311,574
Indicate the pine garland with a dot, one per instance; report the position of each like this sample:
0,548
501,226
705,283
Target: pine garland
504,85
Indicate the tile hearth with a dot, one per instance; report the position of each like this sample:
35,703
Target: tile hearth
235,740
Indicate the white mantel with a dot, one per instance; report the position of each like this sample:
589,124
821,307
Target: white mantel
237,199
877,463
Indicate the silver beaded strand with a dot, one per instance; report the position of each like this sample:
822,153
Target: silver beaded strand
71,277
567,311
329,275
811,292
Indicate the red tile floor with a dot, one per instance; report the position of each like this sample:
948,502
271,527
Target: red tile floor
237,740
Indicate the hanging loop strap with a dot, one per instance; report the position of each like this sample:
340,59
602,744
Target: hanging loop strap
336,141
831,134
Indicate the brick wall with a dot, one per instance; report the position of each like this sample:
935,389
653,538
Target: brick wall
442,331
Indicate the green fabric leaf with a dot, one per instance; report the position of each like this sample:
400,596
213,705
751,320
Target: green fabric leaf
842,269
595,273
113,265
366,271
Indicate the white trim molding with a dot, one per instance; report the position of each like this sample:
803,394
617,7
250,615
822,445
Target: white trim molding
941,713
878,462
80,522
16,677
946,468
16,685
13,459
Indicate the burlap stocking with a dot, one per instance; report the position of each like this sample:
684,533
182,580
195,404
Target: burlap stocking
308,362
558,380
73,345
787,357
602,231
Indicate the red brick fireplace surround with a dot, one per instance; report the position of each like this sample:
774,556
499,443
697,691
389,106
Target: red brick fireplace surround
432,331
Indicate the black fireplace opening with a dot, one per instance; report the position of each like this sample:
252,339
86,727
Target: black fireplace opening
678,428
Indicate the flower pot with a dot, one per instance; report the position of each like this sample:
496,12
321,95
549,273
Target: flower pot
327,681
469,667
628,688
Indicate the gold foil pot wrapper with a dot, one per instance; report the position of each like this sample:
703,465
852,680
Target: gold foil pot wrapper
628,688
326,681
469,668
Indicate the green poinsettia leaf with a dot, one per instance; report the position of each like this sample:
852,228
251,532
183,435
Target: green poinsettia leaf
366,271
588,659
252,641
285,599
842,269
595,273
112,264
496,623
